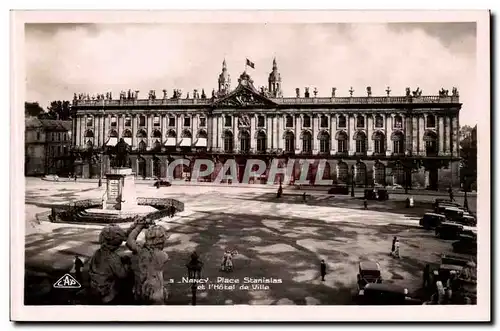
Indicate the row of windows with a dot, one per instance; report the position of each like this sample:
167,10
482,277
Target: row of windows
289,121
324,144
142,121
61,150
54,136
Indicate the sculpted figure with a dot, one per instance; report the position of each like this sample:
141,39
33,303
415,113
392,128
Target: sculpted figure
408,92
334,89
107,270
122,151
148,262
297,92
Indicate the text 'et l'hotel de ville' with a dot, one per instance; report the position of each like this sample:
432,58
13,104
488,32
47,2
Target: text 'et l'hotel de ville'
411,139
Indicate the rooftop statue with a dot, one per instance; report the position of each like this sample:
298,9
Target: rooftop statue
408,92
334,89
454,92
369,91
417,93
297,92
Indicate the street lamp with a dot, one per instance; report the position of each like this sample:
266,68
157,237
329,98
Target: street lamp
352,180
194,267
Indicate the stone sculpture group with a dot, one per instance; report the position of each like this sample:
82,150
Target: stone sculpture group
115,280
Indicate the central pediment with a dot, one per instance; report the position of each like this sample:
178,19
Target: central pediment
244,96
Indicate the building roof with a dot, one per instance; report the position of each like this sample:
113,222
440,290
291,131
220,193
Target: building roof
47,125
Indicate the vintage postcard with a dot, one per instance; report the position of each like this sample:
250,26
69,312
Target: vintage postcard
252,164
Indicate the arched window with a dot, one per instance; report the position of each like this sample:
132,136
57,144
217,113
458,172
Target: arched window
156,134
142,120
244,141
342,123
171,134
90,121
341,142
360,174
431,143
261,142
157,145
431,121
379,176
227,121
324,142
342,173
114,121
379,121
360,139
306,142
379,142
398,142
142,146
360,121
90,145
141,134
289,121
398,174
398,122
156,167
289,142
228,142
127,134
89,134
113,134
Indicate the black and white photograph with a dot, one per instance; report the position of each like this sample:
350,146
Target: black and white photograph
253,161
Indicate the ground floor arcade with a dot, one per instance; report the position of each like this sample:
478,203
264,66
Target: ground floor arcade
415,173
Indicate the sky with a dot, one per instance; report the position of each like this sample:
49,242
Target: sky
63,59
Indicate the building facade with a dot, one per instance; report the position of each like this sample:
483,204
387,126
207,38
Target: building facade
409,140
47,147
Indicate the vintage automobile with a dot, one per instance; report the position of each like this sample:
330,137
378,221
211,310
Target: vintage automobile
385,294
431,220
376,194
162,183
449,230
442,206
51,178
465,245
467,220
339,189
369,272
455,259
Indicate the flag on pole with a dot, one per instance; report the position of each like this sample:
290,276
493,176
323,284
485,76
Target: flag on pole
250,64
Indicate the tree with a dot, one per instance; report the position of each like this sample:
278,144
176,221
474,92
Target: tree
32,109
58,110
468,153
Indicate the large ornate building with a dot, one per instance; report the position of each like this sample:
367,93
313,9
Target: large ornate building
409,139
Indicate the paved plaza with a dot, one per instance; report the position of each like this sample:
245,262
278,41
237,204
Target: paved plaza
283,239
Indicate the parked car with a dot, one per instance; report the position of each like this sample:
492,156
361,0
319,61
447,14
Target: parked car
455,259
453,213
385,294
396,187
51,178
376,194
467,220
369,272
339,189
432,220
441,205
162,183
441,273
465,245
449,230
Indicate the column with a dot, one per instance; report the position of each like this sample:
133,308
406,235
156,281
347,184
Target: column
333,131
421,132
350,134
441,134
269,126
315,131
236,134
447,134
455,142
149,119
163,128
121,124
220,144
253,132
407,127
77,132
100,130
195,125
389,123
83,123
107,121
414,136
298,128
369,133
135,123
276,125
152,167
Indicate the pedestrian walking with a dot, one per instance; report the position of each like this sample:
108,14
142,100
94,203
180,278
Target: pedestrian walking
304,196
396,249
450,192
365,203
323,270
75,178
393,247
